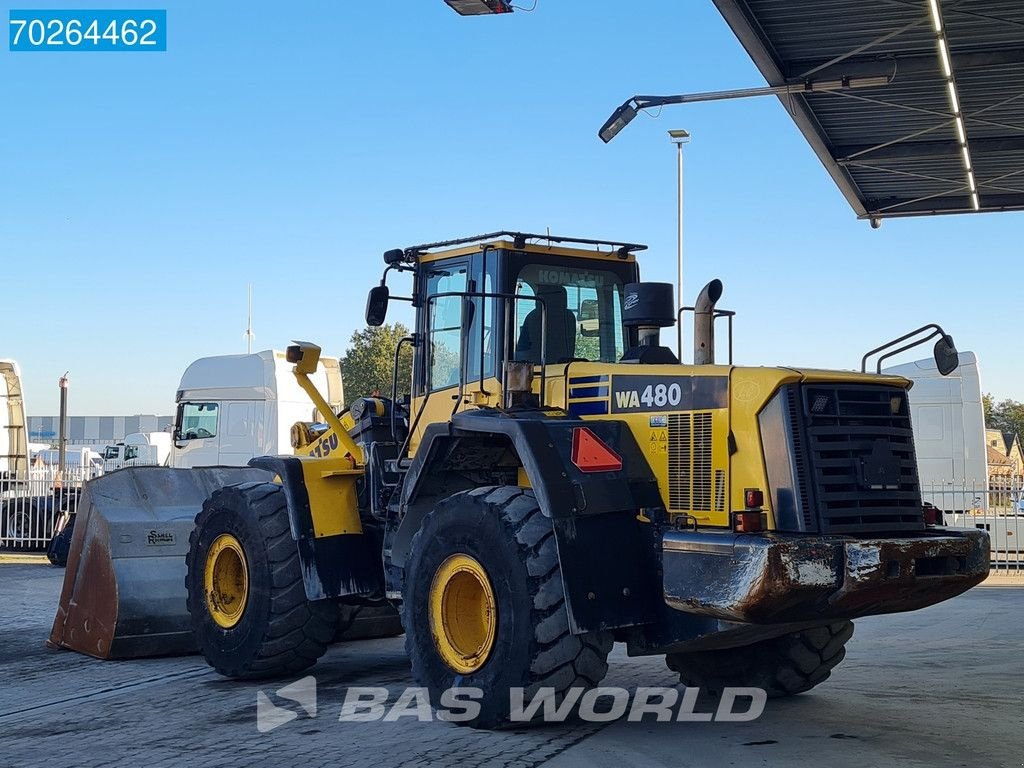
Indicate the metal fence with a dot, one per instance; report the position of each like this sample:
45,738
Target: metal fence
31,507
997,507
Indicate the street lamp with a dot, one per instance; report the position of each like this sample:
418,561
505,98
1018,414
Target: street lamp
679,137
625,112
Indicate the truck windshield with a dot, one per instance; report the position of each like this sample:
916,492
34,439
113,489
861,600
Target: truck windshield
584,314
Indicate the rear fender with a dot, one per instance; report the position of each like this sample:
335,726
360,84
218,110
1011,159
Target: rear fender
605,547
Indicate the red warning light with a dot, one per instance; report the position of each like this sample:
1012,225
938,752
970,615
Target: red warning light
590,454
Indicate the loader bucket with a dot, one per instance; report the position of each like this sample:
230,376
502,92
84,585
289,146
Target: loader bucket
124,587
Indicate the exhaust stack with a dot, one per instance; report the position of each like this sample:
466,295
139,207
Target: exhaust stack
704,323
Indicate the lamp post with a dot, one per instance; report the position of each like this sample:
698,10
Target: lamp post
679,137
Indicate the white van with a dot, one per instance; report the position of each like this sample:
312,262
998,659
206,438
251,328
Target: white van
949,433
80,461
234,407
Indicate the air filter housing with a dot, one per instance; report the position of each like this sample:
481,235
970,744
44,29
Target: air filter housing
648,305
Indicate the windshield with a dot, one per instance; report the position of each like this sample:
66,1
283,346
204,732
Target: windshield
584,314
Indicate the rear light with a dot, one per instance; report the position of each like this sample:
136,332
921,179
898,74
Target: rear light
748,522
932,514
753,498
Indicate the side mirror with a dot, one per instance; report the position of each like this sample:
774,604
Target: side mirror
947,359
589,323
377,305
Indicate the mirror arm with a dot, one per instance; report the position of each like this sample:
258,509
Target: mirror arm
904,348
936,331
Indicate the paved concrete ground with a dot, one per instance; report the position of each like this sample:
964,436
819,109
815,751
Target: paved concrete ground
940,687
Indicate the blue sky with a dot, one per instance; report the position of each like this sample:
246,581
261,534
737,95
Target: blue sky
291,144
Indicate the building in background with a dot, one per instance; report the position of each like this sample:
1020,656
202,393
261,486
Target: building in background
1004,453
96,430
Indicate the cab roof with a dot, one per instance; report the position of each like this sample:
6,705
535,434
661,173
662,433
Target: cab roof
574,247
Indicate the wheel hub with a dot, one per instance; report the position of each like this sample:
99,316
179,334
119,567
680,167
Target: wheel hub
463,614
226,581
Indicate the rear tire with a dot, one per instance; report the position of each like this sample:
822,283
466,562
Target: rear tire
279,632
503,531
782,666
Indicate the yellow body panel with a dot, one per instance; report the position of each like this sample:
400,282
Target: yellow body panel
333,501
705,484
749,390
440,405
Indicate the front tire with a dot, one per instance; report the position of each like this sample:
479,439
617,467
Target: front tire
246,597
484,605
781,666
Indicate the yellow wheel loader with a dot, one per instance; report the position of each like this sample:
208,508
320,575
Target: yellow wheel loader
556,481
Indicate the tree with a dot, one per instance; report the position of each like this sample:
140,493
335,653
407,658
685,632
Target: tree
369,362
1006,415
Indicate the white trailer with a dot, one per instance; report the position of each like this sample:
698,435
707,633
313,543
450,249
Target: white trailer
231,408
949,433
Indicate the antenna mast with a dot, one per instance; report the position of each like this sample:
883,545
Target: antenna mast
249,335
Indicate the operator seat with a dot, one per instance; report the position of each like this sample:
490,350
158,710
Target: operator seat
561,329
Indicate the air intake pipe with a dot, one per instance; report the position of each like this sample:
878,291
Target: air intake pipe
704,323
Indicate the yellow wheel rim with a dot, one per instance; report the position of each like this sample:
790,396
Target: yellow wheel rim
463,614
226,581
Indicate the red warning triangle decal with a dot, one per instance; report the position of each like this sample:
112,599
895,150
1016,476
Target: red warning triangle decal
592,455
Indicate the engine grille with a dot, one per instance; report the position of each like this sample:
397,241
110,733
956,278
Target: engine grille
689,463
860,450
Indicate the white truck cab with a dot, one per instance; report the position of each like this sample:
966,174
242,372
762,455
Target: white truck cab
949,433
138,449
231,408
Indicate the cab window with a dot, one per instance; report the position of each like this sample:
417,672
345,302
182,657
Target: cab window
197,421
584,315
445,317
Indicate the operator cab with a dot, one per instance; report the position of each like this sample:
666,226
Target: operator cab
488,300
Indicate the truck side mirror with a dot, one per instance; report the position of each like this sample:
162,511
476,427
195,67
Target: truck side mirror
947,359
377,305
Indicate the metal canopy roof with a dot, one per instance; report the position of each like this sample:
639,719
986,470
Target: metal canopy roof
896,150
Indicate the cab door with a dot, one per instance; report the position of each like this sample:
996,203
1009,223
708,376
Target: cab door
441,322
195,435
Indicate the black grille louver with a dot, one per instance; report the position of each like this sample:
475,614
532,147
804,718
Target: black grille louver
860,457
800,461
689,463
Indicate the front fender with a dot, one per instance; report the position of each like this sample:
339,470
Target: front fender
338,557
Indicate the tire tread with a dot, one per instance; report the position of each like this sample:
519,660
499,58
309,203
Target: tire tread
782,666
297,631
